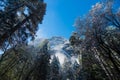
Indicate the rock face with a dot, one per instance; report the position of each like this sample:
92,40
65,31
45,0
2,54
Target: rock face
57,46
60,44
60,47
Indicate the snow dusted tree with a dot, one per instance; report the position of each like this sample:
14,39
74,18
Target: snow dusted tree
27,64
55,69
67,70
76,70
41,70
99,40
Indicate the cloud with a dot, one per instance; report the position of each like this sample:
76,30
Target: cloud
40,37
40,34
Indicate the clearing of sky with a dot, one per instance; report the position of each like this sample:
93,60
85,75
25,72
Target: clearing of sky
60,17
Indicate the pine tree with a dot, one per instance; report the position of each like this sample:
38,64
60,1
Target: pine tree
68,70
55,69
99,35
41,68
19,21
76,70
27,64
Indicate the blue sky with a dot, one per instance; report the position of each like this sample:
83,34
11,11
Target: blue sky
60,16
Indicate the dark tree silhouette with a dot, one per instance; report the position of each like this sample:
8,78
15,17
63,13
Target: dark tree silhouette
19,21
55,69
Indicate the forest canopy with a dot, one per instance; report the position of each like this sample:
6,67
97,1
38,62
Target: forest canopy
19,21
97,39
91,53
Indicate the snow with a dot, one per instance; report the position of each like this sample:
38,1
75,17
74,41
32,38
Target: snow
56,45
61,57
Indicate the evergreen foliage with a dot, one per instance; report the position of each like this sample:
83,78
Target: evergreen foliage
55,69
19,21
97,40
